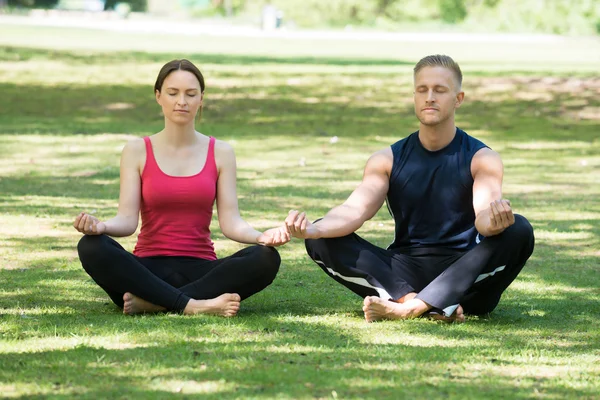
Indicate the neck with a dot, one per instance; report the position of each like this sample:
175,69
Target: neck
179,135
436,137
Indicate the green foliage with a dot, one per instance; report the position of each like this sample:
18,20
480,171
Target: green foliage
548,16
452,11
136,5
337,13
33,3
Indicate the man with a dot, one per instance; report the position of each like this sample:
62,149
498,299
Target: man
457,243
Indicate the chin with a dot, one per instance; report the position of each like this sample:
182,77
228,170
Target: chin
430,122
181,119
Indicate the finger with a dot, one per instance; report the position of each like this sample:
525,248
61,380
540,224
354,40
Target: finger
509,212
77,219
82,223
493,215
503,210
276,236
511,218
291,217
90,224
304,223
298,222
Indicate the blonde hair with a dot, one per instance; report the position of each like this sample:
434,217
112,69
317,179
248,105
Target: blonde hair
440,60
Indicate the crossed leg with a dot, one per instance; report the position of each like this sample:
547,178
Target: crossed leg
187,285
397,286
225,305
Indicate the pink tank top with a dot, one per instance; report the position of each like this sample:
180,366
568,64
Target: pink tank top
177,210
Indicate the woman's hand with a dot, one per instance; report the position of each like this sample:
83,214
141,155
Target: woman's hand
274,237
89,225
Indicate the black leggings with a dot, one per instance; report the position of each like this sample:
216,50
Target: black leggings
171,282
442,278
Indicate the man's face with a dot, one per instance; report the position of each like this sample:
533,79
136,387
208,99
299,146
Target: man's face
436,95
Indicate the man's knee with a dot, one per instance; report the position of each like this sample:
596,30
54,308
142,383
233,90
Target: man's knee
312,245
522,231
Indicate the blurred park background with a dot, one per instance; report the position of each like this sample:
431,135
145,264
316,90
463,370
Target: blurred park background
573,17
304,91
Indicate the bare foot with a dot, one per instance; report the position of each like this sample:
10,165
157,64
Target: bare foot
377,309
406,297
226,305
457,316
136,305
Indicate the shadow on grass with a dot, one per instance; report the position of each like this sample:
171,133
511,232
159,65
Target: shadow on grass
324,359
328,107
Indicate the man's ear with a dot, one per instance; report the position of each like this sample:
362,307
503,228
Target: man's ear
460,97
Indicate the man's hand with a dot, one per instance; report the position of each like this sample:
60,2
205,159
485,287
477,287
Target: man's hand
300,227
274,237
501,215
89,225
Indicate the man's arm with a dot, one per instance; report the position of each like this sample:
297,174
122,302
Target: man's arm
493,214
362,205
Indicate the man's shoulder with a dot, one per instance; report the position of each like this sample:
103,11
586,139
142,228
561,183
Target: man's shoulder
404,141
471,141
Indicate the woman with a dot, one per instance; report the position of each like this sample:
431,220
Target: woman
173,179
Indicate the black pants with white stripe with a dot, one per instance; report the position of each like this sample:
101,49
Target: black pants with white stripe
442,278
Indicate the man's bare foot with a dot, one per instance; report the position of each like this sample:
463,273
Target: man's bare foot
376,309
457,316
406,297
136,305
226,305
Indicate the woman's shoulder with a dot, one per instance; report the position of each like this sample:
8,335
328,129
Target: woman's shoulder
223,148
134,149
135,145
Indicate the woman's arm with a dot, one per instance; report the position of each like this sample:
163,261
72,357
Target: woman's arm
126,221
231,223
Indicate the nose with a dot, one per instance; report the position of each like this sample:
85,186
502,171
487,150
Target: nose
430,98
181,100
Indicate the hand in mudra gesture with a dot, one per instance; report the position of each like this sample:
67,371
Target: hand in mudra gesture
274,237
88,224
501,215
300,226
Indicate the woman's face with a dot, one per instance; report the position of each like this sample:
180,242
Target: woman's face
180,97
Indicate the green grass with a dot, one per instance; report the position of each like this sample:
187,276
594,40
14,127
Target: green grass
65,115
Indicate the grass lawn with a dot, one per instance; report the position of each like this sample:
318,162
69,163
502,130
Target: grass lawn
70,101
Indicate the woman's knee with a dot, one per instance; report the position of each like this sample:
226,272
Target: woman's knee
268,259
91,246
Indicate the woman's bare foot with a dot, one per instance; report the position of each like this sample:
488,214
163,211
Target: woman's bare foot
136,305
457,316
226,305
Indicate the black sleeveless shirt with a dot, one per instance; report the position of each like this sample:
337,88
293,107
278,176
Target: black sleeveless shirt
431,194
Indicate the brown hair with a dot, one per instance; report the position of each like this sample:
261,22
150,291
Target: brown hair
439,60
178,65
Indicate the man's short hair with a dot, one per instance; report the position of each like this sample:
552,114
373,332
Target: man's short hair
440,60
